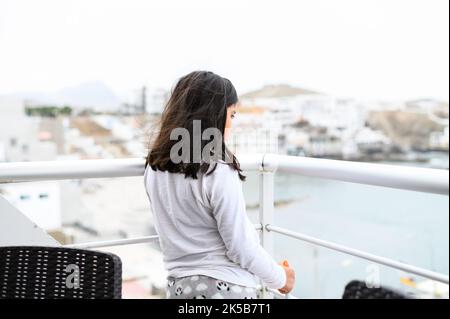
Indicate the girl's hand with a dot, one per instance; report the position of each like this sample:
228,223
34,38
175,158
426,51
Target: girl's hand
290,278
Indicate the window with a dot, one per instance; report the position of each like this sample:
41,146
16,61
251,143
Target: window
24,197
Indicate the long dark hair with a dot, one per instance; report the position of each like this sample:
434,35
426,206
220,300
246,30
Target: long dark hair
199,95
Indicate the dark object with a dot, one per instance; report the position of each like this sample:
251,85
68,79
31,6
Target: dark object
359,290
57,272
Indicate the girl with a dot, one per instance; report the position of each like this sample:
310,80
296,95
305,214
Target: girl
210,248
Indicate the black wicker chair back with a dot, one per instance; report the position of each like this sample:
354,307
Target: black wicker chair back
56,272
359,290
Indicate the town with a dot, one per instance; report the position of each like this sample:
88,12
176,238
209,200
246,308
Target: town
273,119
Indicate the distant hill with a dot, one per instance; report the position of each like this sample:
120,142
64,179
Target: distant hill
279,90
408,130
94,94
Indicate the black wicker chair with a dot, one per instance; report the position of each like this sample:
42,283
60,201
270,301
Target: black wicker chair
359,290
56,272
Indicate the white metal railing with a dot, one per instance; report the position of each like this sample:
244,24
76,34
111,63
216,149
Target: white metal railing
121,242
116,242
401,177
361,254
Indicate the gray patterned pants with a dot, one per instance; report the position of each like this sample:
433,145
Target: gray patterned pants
204,287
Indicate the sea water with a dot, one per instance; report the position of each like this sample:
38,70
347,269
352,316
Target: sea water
407,226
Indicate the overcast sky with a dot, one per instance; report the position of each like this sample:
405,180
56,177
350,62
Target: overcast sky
385,49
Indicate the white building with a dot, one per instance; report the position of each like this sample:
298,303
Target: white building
41,203
370,140
249,140
440,140
318,109
19,135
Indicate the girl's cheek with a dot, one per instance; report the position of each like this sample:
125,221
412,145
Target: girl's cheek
227,133
228,122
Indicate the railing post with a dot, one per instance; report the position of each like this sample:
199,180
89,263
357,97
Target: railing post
266,207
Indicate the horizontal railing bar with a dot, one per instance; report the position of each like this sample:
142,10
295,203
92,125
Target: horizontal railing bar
361,254
116,242
11,172
73,169
121,242
395,176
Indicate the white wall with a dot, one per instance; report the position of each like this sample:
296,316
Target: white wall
40,202
17,230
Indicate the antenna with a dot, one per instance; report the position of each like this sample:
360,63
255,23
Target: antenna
144,100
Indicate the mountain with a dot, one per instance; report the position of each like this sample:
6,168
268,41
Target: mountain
94,94
279,90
